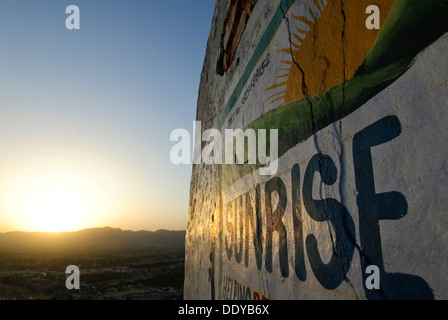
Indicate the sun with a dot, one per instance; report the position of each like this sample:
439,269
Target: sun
55,209
57,201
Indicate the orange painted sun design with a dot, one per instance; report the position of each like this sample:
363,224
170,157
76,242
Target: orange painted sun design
327,45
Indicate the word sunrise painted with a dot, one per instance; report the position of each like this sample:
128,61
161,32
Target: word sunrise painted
356,205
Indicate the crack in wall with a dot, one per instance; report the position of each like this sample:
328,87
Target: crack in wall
305,90
305,93
342,150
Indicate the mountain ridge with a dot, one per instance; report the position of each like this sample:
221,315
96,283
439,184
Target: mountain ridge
91,237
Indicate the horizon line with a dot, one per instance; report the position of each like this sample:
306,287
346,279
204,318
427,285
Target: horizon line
91,228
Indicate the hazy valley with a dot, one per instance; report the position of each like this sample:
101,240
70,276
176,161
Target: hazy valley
114,264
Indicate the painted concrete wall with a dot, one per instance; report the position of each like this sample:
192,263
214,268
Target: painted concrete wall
362,167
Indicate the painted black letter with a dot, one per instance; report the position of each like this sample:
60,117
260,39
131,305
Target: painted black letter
255,231
297,221
229,226
332,274
374,207
239,225
274,223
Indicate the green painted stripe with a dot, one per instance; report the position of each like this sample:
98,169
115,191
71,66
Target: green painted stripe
295,121
266,38
392,55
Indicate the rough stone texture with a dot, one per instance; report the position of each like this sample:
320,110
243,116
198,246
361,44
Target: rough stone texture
362,173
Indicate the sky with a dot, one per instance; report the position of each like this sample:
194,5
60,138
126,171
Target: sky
86,115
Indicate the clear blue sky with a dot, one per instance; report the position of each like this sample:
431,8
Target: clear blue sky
99,103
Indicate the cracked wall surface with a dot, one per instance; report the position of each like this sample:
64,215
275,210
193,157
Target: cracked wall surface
362,162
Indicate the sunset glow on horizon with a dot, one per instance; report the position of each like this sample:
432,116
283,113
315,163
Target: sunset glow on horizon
55,197
86,114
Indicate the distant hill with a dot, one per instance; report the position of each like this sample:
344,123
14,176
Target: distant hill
94,237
